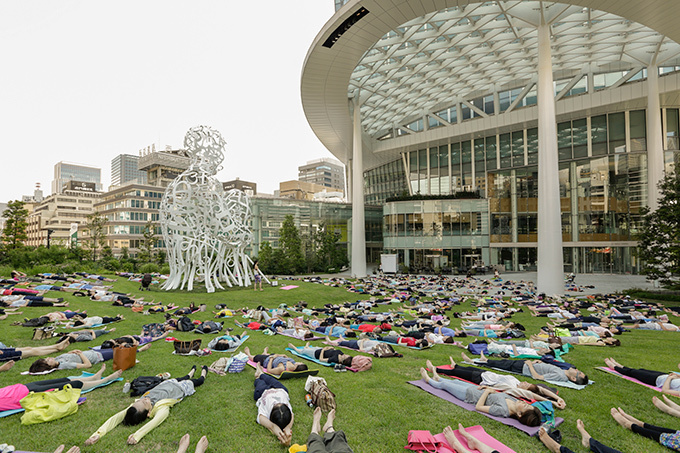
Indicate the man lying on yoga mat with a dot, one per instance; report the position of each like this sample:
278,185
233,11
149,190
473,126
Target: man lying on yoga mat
668,382
75,359
501,381
275,363
535,369
486,399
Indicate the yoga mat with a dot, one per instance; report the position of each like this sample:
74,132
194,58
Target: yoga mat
286,288
477,432
530,430
292,351
288,374
567,384
301,339
243,340
628,378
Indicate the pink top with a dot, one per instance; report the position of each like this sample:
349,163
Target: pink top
11,395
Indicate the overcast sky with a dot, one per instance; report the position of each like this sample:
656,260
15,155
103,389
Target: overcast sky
83,81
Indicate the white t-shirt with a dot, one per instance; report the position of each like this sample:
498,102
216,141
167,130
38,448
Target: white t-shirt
269,399
675,383
499,380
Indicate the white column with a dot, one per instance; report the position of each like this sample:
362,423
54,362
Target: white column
358,221
655,158
550,267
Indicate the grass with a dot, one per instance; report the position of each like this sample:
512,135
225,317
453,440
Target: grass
376,408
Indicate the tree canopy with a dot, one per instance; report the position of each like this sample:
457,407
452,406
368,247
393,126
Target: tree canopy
16,216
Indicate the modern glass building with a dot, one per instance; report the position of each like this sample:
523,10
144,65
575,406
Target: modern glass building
65,172
125,168
556,120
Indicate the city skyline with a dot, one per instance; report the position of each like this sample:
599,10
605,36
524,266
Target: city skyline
86,82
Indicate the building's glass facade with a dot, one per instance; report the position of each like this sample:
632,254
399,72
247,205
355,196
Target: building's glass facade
65,172
125,168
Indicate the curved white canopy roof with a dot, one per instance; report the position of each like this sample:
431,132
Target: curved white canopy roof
408,57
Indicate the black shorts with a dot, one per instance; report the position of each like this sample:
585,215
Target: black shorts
9,354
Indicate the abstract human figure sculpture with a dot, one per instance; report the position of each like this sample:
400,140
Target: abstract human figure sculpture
205,229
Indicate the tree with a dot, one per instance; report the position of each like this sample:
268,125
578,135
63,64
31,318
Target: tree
659,237
14,232
291,246
95,227
146,246
264,258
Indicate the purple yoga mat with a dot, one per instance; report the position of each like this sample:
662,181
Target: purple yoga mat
530,430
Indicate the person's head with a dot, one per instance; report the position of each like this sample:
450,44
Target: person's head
377,331
308,335
221,345
138,411
576,376
280,415
422,343
108,344
528,386
42,365
526,414
345,359
300,367
448,339
612,342
207,329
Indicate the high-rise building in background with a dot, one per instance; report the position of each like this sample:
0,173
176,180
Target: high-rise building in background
324,172
66,171
125,168
339,4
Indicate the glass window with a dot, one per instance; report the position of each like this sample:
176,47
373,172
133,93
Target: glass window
434,171
672,129
598,127
466,157
491,163
532,146
444,178
617,133
564,140
505,151
518,148
456,181
638,130
579,130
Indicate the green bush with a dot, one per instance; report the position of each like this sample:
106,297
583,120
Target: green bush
149,268
112,264
165,269
128,267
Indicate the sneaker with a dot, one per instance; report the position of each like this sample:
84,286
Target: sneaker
339,368
165,376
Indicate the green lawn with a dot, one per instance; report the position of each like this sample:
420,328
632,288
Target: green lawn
376,408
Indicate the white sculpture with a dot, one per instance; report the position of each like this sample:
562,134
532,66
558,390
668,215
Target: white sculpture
205,229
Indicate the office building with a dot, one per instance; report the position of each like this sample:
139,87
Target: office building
125,168
66,171
324,172
250,188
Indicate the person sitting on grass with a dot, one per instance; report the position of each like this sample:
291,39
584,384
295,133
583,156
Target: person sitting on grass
10,355
332,441
154,404
534,368
667,437
486,399
275,363
669,383
499,381
274,411
11,395
586,440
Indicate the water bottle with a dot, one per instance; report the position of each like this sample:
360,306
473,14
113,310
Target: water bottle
126,387
308,400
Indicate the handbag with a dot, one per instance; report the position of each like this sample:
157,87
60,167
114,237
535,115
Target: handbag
43,332
46,406
185,347
124,357
422,440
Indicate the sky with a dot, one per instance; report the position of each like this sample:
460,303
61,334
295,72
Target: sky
83,81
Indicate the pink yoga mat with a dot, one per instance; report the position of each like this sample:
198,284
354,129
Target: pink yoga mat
628,378
477,432
286,288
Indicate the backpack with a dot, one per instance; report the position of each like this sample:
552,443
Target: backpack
184,324
384,350
322,396
142,384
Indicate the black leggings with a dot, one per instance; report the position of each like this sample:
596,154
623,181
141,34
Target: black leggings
647,376
514,366
51,384
651,431
595,446
468,373
197,382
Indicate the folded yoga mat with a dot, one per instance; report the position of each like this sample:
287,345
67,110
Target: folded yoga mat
628,378
243,340
477,432
530,430
288,374
567,384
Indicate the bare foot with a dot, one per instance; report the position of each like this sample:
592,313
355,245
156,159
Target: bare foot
453,441
465,357
7,365
184,443
316,421
435,376
453,362
113,329
548,441
291,346
74,449
266,350
631,418
620,419
429,365
472,441
585,437
202,445
258,371
328,426
60,448
423,375
98,374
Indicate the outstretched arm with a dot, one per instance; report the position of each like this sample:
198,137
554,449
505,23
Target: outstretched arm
106,427
159,417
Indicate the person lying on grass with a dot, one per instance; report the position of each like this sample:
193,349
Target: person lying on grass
11,395
54,316
332,441
586,440
486,399
367,345
298,332
132,340
275,363
91,321
73,360
668,406
31,301
83,335
10,355
274,411
536,369
154,404
330,355
226,342
668,382
667,437
501,381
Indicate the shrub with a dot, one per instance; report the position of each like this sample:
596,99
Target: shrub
149,268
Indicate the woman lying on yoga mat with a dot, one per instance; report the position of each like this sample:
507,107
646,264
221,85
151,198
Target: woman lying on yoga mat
668,382
535,369
75,359
502,381
154,404
11,395
131,340
330,355
274,411
486,399
83,335
665,436
10,355
91,321
275,363
586,441
226,342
